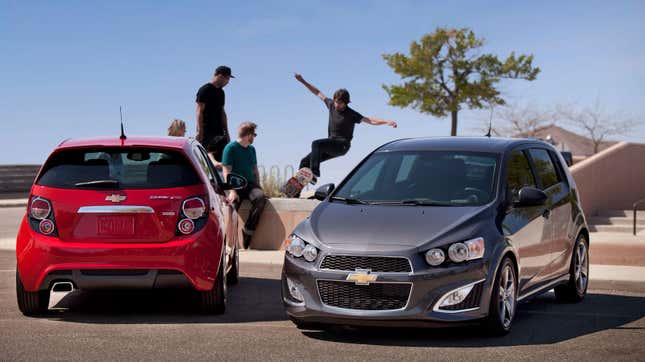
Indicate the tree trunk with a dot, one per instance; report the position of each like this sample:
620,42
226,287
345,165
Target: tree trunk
453,130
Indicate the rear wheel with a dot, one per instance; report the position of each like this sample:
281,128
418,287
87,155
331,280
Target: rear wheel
31,303
233,276
214,300
576,288
503,301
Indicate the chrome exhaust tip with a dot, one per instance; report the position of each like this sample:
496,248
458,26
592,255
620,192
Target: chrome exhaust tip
58,292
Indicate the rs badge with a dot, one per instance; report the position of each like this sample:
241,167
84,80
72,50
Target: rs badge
362,277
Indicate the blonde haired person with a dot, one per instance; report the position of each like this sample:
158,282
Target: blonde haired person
177,128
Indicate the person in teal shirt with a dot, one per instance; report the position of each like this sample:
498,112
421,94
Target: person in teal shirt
239,157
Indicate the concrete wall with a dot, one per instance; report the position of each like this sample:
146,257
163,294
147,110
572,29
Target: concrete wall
611,179
278,220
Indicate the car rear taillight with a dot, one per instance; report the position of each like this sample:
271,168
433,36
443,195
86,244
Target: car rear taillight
46,226
41,216
40,208
186,226
193,215
193,208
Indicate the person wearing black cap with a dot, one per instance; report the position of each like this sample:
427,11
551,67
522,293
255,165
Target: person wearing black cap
212,124
342,120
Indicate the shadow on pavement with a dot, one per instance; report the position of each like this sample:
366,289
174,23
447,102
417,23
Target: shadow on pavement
252,300
540,321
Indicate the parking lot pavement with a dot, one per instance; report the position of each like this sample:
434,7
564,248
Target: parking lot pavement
162,325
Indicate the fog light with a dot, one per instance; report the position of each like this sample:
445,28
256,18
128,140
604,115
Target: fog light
46,226
455,297
294,291
186,226
310,253
435,257
458,252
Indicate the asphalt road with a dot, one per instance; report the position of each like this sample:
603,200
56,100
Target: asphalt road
152,325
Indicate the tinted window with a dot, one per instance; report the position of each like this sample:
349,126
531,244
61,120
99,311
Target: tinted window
118,168
544,167
518,173
446,178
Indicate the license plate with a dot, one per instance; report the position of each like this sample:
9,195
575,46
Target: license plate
115,225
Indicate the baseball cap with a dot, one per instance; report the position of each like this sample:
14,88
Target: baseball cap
223,70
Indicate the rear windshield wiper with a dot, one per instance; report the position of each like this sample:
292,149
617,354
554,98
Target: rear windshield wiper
98,183
349,200
415,202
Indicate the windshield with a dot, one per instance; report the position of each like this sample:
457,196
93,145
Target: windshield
106,168
440,178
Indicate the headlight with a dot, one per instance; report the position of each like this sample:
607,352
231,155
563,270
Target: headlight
457,252
310,253
435,256
299,247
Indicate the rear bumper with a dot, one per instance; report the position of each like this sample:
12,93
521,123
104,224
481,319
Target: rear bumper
42,259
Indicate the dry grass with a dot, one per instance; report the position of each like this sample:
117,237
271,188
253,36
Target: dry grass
271,185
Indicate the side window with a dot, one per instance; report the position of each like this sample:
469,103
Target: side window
518,173
544,167
203,164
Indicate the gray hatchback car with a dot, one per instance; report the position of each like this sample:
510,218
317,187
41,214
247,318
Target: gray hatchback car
437,232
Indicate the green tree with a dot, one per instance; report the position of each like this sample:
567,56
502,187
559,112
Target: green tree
445,71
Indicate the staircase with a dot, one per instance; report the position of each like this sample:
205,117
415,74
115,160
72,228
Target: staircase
17,178
617,221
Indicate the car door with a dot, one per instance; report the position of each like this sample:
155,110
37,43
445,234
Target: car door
227,214
557,213
523,226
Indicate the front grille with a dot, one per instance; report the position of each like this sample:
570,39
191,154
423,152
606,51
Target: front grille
471,301
376,296
377,264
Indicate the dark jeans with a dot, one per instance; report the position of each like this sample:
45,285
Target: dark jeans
322,150
215,145
255,195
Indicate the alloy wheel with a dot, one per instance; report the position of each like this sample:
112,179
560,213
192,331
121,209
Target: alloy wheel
581,268
507,296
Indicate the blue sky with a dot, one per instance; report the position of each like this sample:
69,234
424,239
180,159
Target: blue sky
66,66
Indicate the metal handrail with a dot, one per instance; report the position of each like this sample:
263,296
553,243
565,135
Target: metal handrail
635,208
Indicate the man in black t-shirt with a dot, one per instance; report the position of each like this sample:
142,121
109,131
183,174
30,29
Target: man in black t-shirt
212,124
342,120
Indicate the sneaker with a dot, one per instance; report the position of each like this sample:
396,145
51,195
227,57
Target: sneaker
246,240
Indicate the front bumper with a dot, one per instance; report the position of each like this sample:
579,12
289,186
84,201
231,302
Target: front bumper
428,285
186,260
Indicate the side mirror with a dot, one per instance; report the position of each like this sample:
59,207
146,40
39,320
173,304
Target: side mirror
530,196
323,191
234,182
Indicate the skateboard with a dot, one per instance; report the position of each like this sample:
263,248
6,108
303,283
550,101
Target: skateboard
297,182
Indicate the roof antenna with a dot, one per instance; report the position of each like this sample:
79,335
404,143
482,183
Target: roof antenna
123,137
490,122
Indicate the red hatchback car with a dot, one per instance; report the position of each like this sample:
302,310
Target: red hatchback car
133,213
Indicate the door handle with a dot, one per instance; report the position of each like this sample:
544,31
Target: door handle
546,213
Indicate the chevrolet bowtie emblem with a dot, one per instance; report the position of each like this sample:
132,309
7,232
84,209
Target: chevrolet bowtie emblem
115,198
362,277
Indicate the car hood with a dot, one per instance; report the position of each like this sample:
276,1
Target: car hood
388,226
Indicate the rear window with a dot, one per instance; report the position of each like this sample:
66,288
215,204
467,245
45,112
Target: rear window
118,168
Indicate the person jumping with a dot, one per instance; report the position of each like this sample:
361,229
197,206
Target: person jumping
342,119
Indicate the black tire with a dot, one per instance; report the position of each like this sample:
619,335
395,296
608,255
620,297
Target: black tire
31,303
214,300
576,288
503,305
233,275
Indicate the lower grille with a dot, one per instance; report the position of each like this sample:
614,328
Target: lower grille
376,296
471,301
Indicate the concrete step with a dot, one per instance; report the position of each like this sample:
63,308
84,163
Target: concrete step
621,221
622,213
616,228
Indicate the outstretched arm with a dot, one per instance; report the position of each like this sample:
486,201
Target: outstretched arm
378,121
311,88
